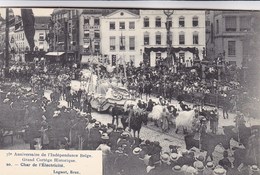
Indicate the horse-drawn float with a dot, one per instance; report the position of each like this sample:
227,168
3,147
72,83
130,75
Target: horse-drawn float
105,92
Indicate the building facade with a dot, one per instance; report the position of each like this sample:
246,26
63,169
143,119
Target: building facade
229,33
187,35
89,34
64,34
120,33
19,44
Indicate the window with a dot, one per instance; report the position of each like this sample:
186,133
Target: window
97,47
86,21
158,22
86,34
158,38
181,22
96,21
131,25
181,38
112,25
245,23
217,26
40,43
122,43
231,23
96,34
195,38
146,22
131,43
231,48
195,21
146,39
170,21
41,36
112,43
121,25
207,23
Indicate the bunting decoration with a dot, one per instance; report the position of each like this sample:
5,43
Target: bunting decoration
28,25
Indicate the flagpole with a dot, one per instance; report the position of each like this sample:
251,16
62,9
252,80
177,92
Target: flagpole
124,67
6,61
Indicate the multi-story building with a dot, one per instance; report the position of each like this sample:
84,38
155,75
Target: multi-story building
18,42
89,33
64,35
187,35
229,33
120,33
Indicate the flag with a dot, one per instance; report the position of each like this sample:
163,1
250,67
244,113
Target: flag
122,43
121,40
28,25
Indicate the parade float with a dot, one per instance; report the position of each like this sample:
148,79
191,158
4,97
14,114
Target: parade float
104,93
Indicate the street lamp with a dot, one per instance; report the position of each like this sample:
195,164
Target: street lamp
168,13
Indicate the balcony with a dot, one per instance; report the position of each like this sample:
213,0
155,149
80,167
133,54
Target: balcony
96,39
86,39
89,27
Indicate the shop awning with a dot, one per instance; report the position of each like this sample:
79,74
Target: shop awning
54,53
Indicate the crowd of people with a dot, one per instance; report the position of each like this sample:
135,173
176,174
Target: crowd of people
60,127
27,111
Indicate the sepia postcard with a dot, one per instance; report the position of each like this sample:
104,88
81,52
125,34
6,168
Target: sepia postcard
129,90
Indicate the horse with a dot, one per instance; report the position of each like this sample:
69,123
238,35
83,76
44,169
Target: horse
136,122
184,119
208,143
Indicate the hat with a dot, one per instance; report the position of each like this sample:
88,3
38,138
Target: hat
105,136
191,170
165,158
137,150
199,166
125,134
254,168
219,171
96,124
184,168
210,165
200,158
174,156
176,168
184,152
6,100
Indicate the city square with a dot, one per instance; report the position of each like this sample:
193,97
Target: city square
157,91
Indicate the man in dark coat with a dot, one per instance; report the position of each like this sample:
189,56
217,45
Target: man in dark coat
150,105
225,162
94,137
115,114
136,166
